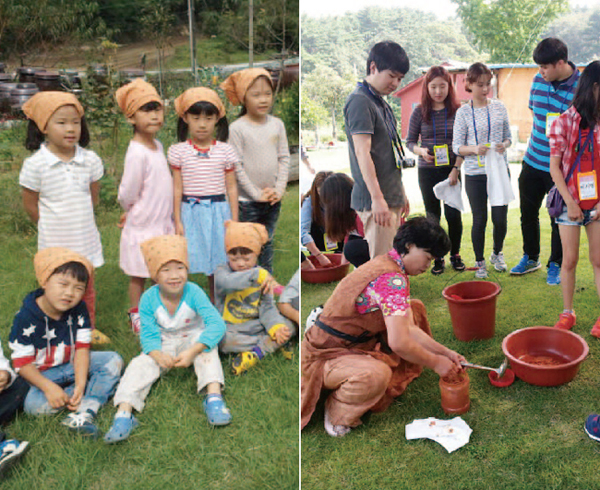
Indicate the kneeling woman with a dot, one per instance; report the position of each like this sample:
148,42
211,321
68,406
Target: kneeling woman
371,340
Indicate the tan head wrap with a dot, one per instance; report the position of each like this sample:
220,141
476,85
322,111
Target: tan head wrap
46,261
42,105
198,94
134,95
236,85
247,235
159,250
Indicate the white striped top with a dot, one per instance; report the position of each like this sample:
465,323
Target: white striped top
65,201
464,133
203,175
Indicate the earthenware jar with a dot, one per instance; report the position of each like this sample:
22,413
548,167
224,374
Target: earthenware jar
455,394
27,74
48,81
21,94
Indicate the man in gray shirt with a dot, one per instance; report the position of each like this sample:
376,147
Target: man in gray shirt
378,194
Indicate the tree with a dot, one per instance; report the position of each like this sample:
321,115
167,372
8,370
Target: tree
313,116
508,29
580,30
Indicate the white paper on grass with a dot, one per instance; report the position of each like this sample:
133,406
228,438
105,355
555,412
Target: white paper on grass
499,188
451,434
450,194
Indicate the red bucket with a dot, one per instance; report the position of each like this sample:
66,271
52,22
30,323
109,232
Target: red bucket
472,306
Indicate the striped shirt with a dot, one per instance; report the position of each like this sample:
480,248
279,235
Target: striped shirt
65,201
203,174
264,154
544,99
444,127
464,132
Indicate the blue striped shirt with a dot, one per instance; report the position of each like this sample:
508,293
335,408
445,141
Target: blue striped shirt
544,99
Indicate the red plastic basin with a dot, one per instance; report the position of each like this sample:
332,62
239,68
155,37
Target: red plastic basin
562,347
321,274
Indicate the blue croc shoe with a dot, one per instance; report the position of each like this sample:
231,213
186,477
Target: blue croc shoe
121,429
216,410
592,427
553,278
10,452
525,265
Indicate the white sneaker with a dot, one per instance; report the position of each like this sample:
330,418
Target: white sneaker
498,262
335,430
481,272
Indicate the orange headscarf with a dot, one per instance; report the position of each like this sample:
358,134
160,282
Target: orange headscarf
247,235
236,85
42,105
47,260
134,95
198,94
159,250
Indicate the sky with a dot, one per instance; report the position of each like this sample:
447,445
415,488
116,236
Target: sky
443,8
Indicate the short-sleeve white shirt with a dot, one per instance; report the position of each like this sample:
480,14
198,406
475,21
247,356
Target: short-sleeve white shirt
65,200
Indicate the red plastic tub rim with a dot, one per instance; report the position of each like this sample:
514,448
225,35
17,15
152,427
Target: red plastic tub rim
574,362
497,290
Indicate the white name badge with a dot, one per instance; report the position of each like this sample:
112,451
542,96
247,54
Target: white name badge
550,118
587,185
442,155
329,244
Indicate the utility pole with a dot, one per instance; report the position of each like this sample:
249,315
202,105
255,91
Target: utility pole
250,33
192,41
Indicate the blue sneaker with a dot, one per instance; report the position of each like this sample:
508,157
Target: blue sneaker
10,452
82,422
216,410
553,278
121,429
525,265
592,427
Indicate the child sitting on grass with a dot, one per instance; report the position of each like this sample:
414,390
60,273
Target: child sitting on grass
180,327
50,342
13,390
243,294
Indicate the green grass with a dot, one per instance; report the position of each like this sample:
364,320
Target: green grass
524,437
174,445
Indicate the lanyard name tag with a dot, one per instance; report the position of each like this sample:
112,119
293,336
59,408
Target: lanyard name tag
329,245
550,118
587,183
442,156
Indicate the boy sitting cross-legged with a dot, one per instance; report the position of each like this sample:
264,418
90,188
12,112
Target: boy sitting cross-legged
243,295
50,343
179,327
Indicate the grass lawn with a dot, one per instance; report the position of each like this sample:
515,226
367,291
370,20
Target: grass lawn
524,437
174,444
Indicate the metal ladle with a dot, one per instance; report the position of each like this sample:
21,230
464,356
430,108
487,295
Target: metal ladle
499,371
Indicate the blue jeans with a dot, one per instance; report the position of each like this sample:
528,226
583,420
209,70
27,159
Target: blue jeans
104,374
265,214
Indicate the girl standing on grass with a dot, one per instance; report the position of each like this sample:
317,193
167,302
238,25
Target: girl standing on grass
261,142
477,126
433,122
61,182
146,189
574,167
205,188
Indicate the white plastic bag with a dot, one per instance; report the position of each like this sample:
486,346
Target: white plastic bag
450,194
499,189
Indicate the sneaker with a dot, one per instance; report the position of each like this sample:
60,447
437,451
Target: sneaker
525,265
481,272
10,452
312,317
216,411
553,278
82,422
566,321
595,332
243,361
438,267
135,322
592,427
335,430
457,263
121,429
498,262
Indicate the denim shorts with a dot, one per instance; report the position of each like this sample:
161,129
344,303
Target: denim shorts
563,219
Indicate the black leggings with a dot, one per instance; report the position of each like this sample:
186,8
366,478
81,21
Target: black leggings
428,178
476,187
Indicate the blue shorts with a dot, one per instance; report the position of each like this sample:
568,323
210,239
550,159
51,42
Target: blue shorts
563,219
